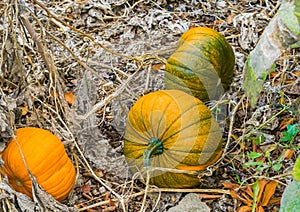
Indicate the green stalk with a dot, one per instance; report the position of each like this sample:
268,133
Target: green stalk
155,147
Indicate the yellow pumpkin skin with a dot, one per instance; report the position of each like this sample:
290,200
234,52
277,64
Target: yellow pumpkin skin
182,130
202,64
46,159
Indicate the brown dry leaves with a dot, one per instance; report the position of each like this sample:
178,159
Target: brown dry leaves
257,196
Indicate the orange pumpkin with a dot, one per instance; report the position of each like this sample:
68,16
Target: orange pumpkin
46,158
170,129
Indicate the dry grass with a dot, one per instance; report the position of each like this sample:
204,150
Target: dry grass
109,54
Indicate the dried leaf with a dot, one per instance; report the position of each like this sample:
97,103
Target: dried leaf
230,18
96,148
54,93
268,193
106,197
24,110
261,184
288,154
289,81
249,190
282,100
273,74
285,122
111,203
260,209
230,185
86,189
275,201
244,209
247,24
70,98
235,195
157,66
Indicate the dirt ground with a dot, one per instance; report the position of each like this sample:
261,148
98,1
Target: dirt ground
76,68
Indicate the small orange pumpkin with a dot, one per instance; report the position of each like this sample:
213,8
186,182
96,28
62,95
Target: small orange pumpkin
46,159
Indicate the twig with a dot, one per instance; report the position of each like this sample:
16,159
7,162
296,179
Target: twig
37,40
229,133
263,124
231,124
145,190
119,198
172,190
48,59
158,198
105,101
79,61
268,178
271,13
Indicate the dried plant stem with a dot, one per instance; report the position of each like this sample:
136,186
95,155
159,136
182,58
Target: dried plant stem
37,40
231,124
145,191
120,199
79,61
264,124
81,32
48,59
192,190
229,133
142,58
106,100
5,202
268,178
156,190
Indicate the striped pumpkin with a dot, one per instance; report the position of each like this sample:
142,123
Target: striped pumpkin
174,130
202,64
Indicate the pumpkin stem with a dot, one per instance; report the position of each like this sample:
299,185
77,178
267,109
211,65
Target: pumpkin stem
155,147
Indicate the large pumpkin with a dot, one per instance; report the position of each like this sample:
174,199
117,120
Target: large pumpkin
202,64
46,159
174,130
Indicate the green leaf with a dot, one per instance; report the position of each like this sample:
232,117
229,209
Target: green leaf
296,170
282,32
277,167
268,154
254,163
290,198
289,135
254,155
256,189
297,10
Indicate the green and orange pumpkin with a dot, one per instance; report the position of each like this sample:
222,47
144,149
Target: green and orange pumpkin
170,129
45,156
202,64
